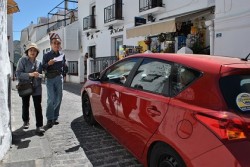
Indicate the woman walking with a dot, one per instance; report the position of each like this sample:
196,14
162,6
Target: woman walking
28,70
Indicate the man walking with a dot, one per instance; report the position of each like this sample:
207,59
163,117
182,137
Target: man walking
53,64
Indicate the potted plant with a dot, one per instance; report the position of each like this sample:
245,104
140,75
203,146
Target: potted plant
161,37
147,41
169,48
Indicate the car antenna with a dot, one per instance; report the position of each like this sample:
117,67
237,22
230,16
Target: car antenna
245,59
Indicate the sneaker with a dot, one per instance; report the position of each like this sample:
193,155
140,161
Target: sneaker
26,125
49,124
40,130
55,122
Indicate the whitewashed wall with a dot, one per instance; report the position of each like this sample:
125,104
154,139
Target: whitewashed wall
5,72
10,40
40,32
232,28
43,44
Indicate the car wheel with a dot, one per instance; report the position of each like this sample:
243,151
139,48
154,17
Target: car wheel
87,111
163,155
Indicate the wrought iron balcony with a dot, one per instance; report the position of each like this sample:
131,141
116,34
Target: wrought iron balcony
89,22
149,4
56,26
113,12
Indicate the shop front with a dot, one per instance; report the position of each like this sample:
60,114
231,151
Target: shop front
172,33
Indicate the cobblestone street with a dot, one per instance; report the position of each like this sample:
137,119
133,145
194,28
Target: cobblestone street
71,143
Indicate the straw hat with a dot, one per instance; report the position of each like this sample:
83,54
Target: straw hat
31,45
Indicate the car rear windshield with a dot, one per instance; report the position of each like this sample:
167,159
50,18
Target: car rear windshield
236,91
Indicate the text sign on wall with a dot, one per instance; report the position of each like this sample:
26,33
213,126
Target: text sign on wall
139,21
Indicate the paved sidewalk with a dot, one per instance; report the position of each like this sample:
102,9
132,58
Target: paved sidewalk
56,148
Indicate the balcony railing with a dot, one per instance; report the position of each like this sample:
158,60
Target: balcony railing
60,23
113,12
56,26
149,4
89,22
100,63
73,68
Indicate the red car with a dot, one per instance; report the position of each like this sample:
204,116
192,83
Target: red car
175,110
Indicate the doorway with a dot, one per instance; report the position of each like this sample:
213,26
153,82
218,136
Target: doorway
118,47
92,51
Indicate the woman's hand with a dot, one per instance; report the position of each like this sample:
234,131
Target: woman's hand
34,74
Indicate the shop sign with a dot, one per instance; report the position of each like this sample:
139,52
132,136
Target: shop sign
218,35
116,30
139,21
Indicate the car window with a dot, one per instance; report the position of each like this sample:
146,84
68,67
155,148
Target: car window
182,77
119,72
236,91
152,75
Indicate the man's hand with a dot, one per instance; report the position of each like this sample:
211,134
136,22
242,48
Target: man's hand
51,62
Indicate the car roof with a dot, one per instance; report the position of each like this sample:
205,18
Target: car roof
207,63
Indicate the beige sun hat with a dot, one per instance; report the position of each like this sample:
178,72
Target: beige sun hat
31,45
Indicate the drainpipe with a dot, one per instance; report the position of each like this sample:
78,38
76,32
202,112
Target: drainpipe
210,25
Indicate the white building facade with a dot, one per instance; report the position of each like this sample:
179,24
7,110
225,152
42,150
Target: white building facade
107,32
232,28
117,28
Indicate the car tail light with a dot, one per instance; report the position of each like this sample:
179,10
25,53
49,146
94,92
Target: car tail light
225,125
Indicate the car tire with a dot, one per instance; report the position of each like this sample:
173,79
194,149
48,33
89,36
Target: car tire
162,155
87,110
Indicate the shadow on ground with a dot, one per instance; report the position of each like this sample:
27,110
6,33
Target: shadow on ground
73,87
100,147
21,137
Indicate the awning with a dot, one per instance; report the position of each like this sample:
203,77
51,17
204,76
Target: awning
12,7
152,29
166,24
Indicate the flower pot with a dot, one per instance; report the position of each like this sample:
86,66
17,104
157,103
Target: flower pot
147,42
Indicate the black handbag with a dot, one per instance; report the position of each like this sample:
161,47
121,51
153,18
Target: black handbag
25,89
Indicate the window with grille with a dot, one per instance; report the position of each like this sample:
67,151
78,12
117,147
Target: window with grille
73,67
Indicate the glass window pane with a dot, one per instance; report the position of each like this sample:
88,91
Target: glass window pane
152,75
119,72
182,77
237,98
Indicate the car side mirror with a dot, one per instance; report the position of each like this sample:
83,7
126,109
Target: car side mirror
94,76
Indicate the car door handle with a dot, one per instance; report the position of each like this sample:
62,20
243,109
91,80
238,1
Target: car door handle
153,111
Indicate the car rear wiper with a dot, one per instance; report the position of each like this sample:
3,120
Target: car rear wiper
245,59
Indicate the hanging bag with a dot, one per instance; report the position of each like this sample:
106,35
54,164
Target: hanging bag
25,89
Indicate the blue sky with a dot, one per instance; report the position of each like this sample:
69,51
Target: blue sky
30,10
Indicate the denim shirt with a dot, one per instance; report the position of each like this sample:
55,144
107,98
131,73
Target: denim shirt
24,67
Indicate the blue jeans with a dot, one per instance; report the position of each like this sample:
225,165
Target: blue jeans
54,94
